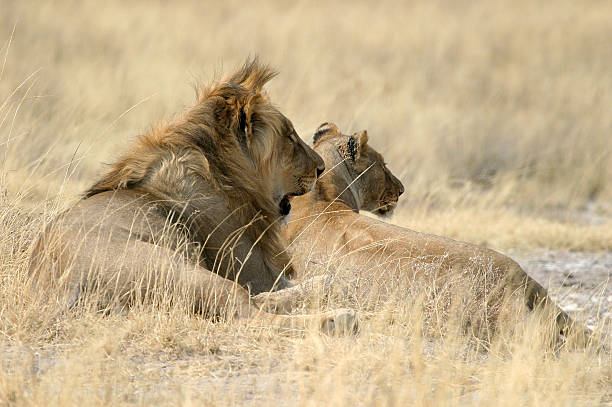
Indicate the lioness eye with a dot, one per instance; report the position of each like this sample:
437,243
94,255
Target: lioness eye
293,136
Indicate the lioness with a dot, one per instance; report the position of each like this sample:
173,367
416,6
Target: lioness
327,227
192,209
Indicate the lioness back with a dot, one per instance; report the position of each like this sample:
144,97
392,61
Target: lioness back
328,232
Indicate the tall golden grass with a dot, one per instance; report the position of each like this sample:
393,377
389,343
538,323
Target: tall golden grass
495,115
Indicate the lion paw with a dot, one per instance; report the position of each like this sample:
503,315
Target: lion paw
272,302
340,322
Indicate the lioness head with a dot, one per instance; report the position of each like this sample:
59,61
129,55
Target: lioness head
366,175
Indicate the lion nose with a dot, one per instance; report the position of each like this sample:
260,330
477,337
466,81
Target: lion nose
401,191
320,171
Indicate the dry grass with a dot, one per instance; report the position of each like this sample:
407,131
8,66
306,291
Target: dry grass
496,116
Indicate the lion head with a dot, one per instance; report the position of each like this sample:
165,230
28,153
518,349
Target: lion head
291,166
268,139
361,169
243,141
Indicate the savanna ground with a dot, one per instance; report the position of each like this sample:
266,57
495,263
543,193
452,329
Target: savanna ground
495,115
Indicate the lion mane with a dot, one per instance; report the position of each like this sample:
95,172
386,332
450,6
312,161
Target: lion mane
207,143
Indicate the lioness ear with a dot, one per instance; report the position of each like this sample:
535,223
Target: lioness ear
356,143
325,129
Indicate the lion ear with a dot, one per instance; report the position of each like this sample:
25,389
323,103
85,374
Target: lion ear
244,123
244,90
247,105
325,129
244,126
356,143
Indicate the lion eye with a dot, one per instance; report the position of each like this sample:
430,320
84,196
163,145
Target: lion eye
293,136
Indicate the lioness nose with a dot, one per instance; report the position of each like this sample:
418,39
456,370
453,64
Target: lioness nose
401,191
320,171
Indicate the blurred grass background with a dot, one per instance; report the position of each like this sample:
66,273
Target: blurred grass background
496,115
492,103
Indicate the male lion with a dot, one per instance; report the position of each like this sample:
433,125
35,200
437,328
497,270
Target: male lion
327,228
191,210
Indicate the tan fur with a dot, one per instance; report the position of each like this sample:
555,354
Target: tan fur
193,208
327,225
